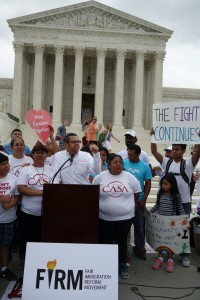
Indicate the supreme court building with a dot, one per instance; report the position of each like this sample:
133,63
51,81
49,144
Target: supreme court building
88,59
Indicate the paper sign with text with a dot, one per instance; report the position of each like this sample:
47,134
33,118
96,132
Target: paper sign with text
70,271
169,233
39,120
176,122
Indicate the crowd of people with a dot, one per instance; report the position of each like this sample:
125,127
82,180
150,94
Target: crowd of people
124,179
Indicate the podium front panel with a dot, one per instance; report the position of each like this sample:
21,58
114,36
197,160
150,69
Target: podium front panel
70,213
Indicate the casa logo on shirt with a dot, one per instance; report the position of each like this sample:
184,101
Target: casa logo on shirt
115,189
38,179
15,170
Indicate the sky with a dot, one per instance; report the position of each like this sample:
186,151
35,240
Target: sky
182,60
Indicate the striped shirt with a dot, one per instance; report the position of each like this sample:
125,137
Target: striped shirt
166,207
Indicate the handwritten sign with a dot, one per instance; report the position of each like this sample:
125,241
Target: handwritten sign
169,233
176,122
39,120
58,271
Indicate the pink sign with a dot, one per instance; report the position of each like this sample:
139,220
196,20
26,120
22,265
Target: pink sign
39,120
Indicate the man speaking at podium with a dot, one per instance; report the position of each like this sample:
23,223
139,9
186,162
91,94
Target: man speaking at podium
72,166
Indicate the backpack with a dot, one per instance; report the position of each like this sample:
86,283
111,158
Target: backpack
191,182
182,170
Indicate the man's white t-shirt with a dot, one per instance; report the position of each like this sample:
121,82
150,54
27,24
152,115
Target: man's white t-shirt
117,195
8,186
143,156
34,178
16,164
184,188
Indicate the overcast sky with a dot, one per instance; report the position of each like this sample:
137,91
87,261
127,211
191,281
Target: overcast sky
182,61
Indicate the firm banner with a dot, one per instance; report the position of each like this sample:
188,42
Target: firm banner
70,271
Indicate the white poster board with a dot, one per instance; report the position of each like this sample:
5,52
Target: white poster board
70,271
176,122
169,233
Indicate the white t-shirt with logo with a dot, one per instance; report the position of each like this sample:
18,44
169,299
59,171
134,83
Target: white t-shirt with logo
16,164
8,186
34,178
183,187
117,195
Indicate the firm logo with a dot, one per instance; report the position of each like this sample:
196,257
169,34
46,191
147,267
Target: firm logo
58,278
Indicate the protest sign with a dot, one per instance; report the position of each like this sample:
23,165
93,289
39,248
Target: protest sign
176,122
39,120
169,233
58,271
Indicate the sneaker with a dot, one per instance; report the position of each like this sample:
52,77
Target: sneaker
8,274
170,266
123,271
185,260
158,264
141,255
128,261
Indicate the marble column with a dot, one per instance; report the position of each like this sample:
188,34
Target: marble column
78,79
132,92
38,77
18,79
100,78
139,90
119,88
58,85
149,95
158,76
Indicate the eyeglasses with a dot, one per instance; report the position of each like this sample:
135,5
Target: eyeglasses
76,141
94,119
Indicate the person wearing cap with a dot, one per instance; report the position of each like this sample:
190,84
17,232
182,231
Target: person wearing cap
9,197
15,133
30,184
131,139
72,166
168,151
92,131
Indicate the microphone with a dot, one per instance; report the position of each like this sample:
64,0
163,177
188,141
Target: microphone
54,176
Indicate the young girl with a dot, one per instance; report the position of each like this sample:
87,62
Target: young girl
168,204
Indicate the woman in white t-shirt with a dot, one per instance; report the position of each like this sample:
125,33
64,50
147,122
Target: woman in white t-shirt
18,159
30,184
119,192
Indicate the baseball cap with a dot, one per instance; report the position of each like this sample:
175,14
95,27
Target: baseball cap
168,148
39,146
132,133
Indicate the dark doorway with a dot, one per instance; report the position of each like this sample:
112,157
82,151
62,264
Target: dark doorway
87,111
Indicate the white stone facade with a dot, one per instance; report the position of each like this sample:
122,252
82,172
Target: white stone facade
56,51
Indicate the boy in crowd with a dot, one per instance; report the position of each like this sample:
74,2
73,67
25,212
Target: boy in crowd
9,197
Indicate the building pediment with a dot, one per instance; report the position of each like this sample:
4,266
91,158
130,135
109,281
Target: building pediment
89,15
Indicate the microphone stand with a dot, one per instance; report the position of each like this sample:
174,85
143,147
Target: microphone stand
54,176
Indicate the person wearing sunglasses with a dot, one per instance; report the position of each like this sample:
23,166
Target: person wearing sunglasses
72,166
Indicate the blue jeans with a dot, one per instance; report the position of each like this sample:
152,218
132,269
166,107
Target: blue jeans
139,230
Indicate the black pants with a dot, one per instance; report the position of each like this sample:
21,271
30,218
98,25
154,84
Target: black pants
110,231
29,231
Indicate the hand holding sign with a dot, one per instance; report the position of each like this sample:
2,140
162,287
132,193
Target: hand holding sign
40,121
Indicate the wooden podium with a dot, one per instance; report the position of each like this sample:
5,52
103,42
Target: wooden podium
70,213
